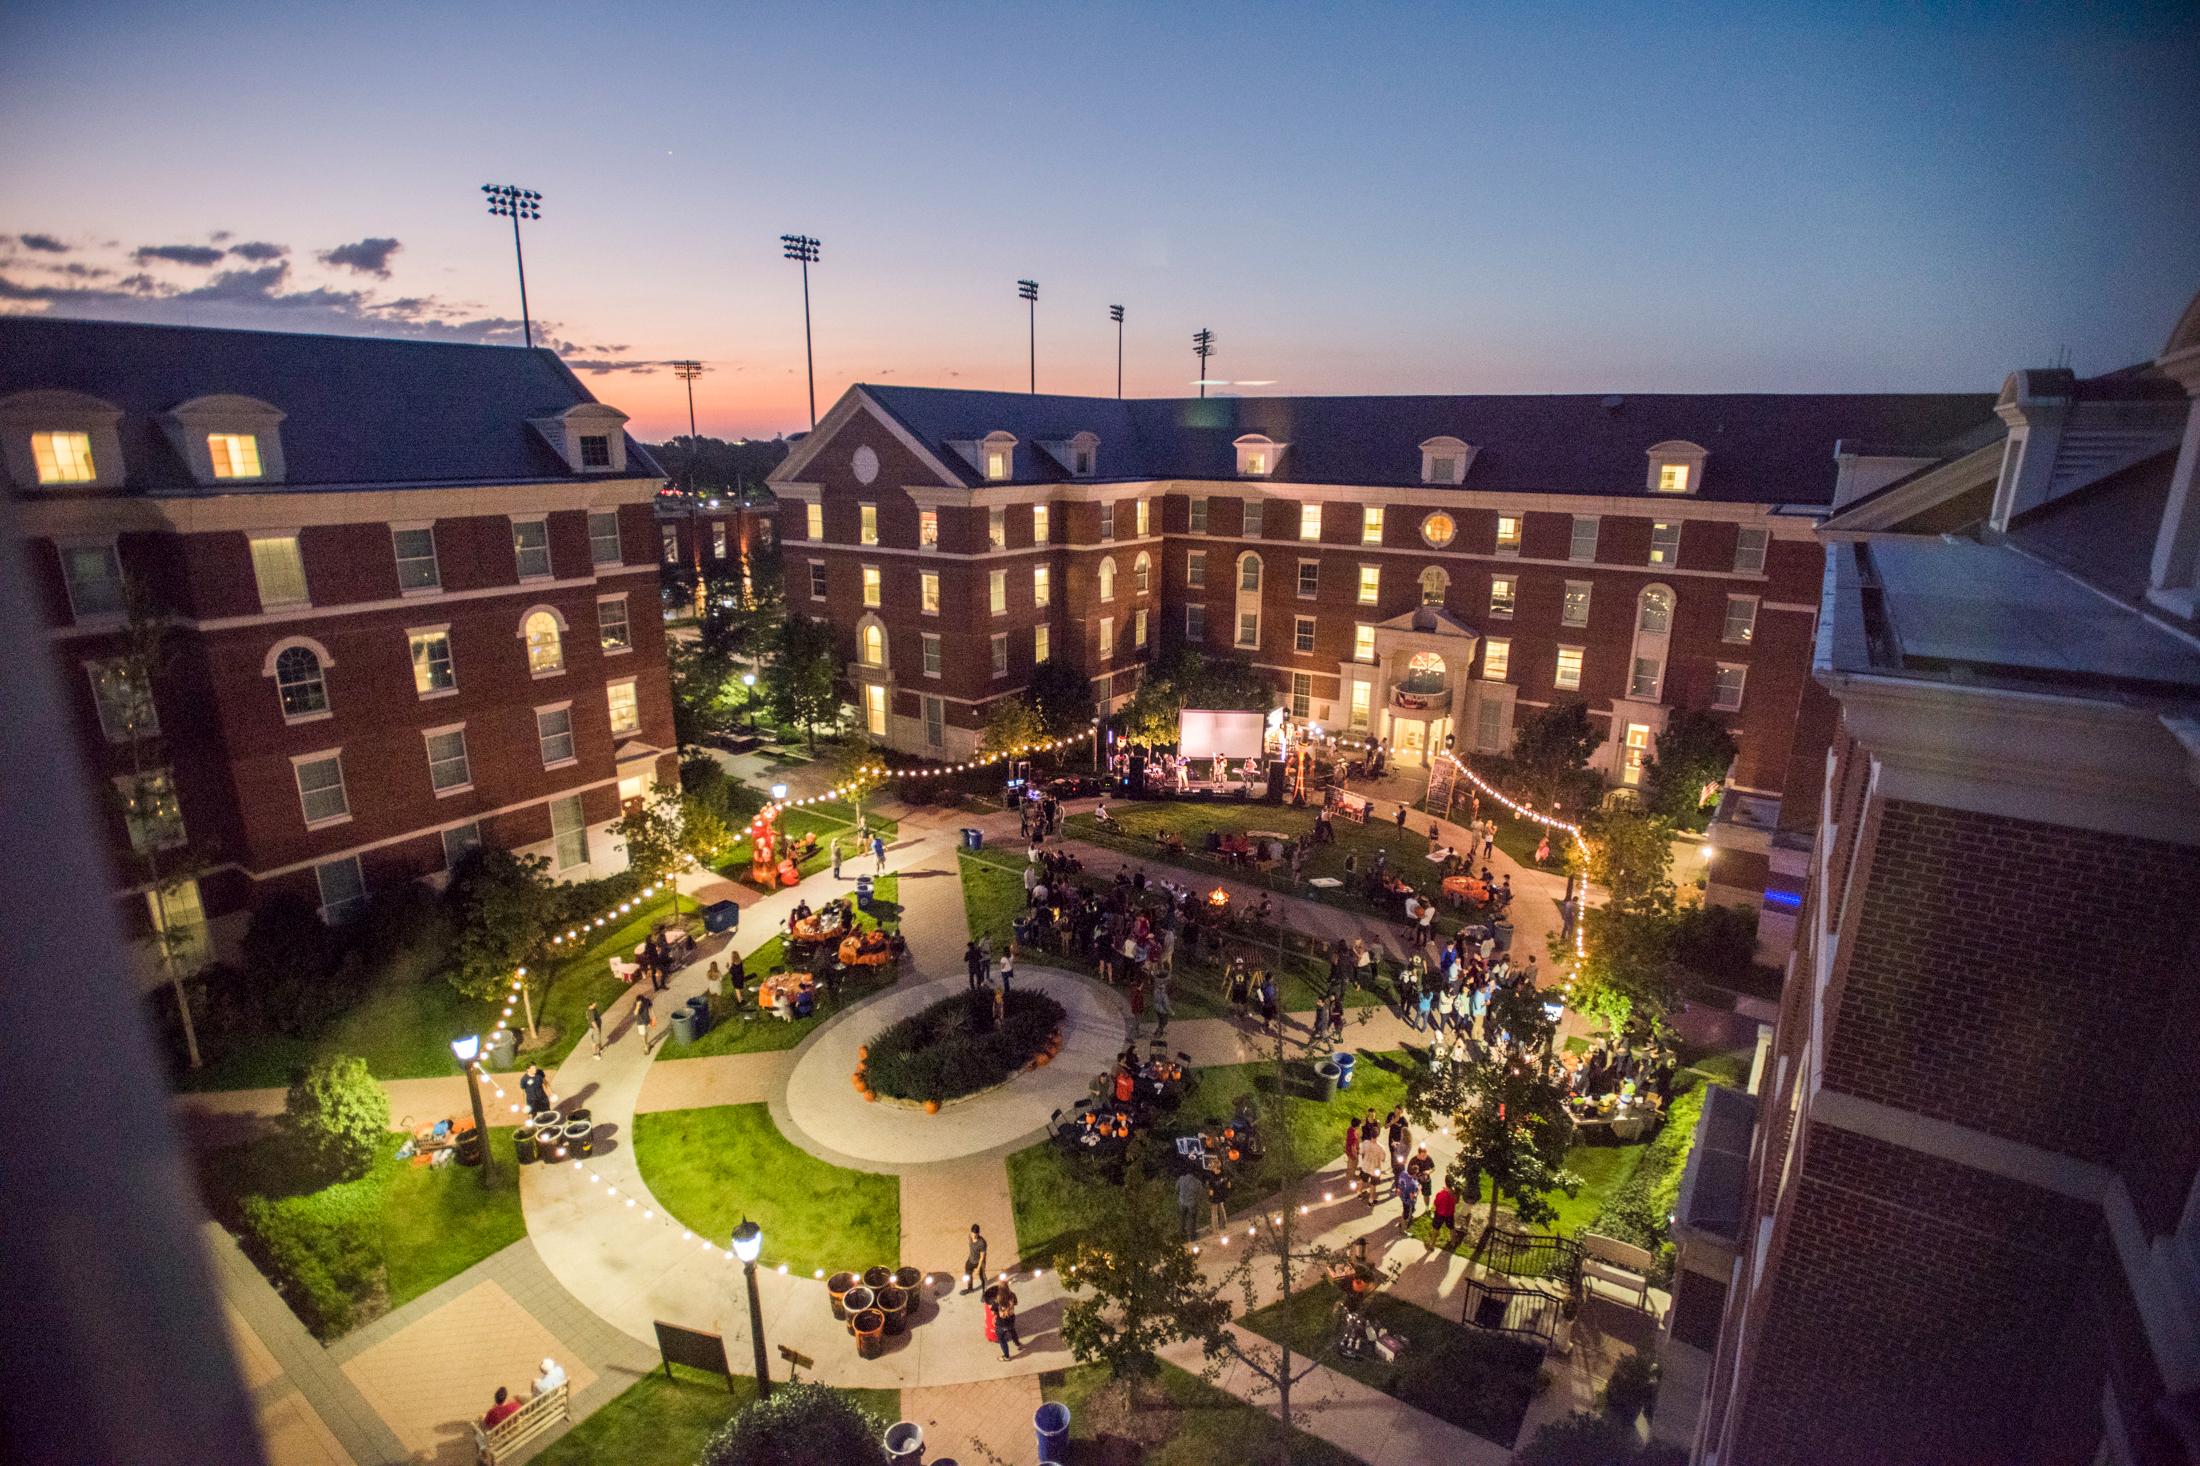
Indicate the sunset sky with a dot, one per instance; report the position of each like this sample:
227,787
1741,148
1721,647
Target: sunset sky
1355,198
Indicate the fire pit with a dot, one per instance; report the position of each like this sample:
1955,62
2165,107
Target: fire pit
1218,898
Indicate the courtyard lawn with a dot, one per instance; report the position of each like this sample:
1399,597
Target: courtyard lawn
732,1033
666,1422
342,1255
711,1167
1478,1381
824,820
1603,1169
1058,1197
1179,1420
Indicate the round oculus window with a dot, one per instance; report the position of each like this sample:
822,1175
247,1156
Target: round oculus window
1439,529
865,464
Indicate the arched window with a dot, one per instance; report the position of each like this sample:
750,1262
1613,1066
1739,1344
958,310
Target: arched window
1424,674
1107,577
874,644
1434,582
299,680
1248,571
545,642
1655,614
1142,573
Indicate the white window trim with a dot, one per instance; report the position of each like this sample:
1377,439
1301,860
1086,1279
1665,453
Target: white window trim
868,537
1740,693
544,520
631,683
1512,596
614,651
996,592
1596,538
1363,632
267,670
1267,448
1363,593
1312,629
1588,604
343,782
572,731
357,864
1371,524
1042,587
1650,556
112,544
1455,450
932,578
1498,544
929,650
1504,673
997,650
1764,549
1199,558
565,635
1726,615
1581,666
295,534
443,630
618,538
435,553
1298,586
1676,453
868,577
1310,512
429,734
815,567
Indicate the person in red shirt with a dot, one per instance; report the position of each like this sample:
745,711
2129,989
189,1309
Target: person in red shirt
1443,1214
504,1408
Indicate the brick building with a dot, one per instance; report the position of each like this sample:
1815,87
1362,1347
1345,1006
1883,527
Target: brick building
1959,1223
1420,569
703,538
410,594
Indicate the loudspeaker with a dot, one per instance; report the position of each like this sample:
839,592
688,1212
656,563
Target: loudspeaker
1134,776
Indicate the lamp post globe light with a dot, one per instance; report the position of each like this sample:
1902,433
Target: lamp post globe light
802,248
1115,314
467,1050
779,791
748,1244
1028,291
509,202
748,698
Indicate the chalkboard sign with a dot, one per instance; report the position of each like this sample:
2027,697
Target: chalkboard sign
695,1348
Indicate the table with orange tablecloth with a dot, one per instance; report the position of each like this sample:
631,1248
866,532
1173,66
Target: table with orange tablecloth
865,949
792,984
813,928
1467,888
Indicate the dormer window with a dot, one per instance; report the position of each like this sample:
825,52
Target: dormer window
63,458
227,439
1444,461
1676,467
234,455
1082,454
1257,455
57,439
589,436
997,456
1081,461
595,450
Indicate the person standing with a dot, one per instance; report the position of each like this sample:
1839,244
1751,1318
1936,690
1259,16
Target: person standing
1268,1002
595,1027
836,857
1409,1192
1161,1009
1004,1318
1443,1216
878,852
1321,1023
1189,1194
1008,969
1351,1148
1241,988
536,1086
974,1262
645,1018
970,964
1371,1164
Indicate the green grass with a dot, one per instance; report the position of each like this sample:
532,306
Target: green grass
1179,1420
711,1167
729,1034
1057,1197
666,1422
1478,1381
1603,1169
824,820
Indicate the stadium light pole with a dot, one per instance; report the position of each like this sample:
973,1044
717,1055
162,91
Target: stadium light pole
688,371
1203,346
1029,291
508,202
802,247
1115,314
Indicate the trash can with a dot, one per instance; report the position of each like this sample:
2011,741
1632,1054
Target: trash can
1344,1063
721,916
580,1137
868,1327
545,1119
1326,1075
469,1146
859,1301
1051,1421
836,1287
876,1278
523,1144
503,1050
863,893
894,1303
683,1025
1501,933
905,1443
973,838
699,1008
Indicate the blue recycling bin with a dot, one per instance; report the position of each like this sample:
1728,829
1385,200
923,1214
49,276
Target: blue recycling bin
721,916
1344,1063
1051,1420
863,893
973,838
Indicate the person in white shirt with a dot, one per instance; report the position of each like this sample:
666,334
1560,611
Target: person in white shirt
553,1375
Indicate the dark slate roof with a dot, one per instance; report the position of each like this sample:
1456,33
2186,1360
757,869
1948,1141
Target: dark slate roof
2105,531
358,410
1764,448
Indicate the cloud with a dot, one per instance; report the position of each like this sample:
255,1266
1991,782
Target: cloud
259,251
221,236
603,367
367,256
178,254
42,242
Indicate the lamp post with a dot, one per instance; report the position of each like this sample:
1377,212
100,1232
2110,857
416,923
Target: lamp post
802,247
468,1052
1028,290
748,1241
748,698
688,371
1203,346
515,204
1115,314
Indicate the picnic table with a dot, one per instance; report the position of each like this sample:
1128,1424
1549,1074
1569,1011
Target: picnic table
792,985
1467,888
866,949
815,927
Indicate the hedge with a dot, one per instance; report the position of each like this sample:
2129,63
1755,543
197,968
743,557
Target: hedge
1637,1212
952,1048
323,1251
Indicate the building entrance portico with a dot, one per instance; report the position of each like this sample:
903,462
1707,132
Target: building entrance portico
1419,680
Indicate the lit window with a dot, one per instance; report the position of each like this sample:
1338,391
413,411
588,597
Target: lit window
931,644
1310,579
94,578
1302,634
1726,687
1741,618
1248,572
569,831
718,540
416,563
996,463
448,769
1501,594
63,458
1583,544
1439,529
1042,586
997,592
1256,454
1195,623
631,790
1310,521
813,520
1363,642
1508,534
1107,521
874,710
867,533
935,722
1107,637
321,793
150,811
603,537
531,548
1000,653
928,592
1195,569
235,455
1248,629
1749,552
1371,524
1142,573
872,585
125,703
1138,627
1041,530
1569,668
1302,694
1107,577
611,627
817,580
1199,516
343,888
1371,584
1642,683
669,537
460,841
1665,541
545,643
299,683
178,913
996,528
626,712
1042,642
1672,478
1435,584
1145,517
928,528
433,670
1363,697
1655,615
1634,752
595,450
1574,610
554,735
279,570
1496,658
873,638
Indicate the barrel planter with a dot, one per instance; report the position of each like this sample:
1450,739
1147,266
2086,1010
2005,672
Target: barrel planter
894,1303
859,1300
869,1327
909,1280
523,1144
837,1287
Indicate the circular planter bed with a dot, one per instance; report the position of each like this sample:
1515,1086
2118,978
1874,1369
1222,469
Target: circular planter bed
954,1047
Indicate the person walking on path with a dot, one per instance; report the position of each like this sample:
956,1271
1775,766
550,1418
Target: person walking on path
970,963
1161,1009
645,1018
1004,1318
878,852
836,857
1189,1194
1321,1025
1241,988
1008,970
595,1027
536,1086
974,1263
1371,1167
1409,1192
1268,1002
1351,1148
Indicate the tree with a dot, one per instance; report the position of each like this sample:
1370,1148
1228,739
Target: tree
1192,677
338,1115
655,838
854,767
1137,1287
705,833
1694,750
1550,755
800,1422
504,908
1061,694
800,681
1010,724
1627,978
707,695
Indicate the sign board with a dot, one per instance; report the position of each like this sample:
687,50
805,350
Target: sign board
1443,779
694,1348
1201,734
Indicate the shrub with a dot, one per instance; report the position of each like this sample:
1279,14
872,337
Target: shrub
952,1048
800,1422
1718,942
1583,1438
338,1116
1633,1387
322,1250
1636,1212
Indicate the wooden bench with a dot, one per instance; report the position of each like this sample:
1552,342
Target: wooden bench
1607,1259
530,1420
